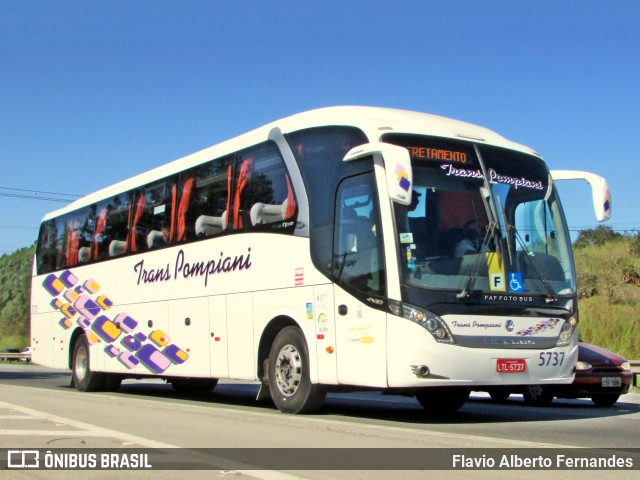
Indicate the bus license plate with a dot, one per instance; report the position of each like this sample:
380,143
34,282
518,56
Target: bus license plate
511,365
611,382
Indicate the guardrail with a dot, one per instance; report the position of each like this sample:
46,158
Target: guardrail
21,357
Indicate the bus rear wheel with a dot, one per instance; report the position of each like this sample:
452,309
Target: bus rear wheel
83,378
289,381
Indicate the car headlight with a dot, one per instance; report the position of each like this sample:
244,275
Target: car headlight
566,333
625,366
583,366
431,322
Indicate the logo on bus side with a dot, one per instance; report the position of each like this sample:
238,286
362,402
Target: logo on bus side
182,268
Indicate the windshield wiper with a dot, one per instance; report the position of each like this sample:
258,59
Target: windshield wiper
528,254
471,279
507,235
491,236
493,227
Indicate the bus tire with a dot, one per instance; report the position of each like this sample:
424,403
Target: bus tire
83,378
444,400
289,381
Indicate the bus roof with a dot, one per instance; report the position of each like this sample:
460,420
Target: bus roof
373,121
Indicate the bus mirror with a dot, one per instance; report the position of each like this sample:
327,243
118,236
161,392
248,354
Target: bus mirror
599,190
397,166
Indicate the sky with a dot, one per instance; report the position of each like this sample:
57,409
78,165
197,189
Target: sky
93,92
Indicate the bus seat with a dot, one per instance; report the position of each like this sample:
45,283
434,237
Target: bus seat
84,255
263,214
207,225
117,248
155,239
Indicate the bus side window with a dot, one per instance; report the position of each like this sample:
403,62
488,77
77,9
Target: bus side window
77,235
204,200
153,224
47,250
358,260
264,196
112,228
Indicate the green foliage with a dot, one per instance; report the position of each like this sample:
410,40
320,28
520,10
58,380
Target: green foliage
596,236
608,267
614,327
635,245
15,280
610,270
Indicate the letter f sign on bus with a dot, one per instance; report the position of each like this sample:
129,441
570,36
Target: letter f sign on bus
496,273
497,282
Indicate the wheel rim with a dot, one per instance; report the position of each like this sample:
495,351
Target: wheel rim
288,371
80,366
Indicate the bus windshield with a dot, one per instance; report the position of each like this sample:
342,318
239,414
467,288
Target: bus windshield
490,226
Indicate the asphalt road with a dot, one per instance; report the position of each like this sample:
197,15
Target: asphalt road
38,409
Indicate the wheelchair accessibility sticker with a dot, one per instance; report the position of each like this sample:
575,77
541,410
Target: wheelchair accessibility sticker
515,282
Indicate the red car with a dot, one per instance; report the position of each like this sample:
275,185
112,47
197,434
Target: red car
600,375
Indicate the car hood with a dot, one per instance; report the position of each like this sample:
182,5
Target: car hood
598,355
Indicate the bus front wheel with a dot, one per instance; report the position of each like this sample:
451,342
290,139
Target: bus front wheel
83,378
289,382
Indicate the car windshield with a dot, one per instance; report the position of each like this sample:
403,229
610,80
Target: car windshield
494,225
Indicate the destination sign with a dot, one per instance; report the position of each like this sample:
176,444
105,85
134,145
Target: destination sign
438,154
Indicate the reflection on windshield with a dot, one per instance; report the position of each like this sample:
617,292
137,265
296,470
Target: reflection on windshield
456,235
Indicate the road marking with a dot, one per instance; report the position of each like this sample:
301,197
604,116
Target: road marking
49,433
90,430
303,422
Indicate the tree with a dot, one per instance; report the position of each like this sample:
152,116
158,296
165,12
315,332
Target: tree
15,282
596,237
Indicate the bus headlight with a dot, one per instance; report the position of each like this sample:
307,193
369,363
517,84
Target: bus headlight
430,322
568,328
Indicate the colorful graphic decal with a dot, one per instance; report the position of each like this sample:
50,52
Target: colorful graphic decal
84,304
607,201
411,258
403,178
539,327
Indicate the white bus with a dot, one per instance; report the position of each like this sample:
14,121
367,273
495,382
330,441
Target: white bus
341,248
